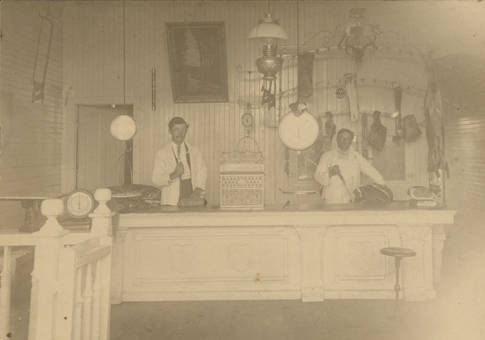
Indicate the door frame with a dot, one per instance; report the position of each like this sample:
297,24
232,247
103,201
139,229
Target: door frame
127,177
71,104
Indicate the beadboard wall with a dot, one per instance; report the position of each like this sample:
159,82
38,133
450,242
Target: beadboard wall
465,142
93,73
30,163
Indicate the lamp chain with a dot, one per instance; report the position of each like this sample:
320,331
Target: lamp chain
297,28
124,52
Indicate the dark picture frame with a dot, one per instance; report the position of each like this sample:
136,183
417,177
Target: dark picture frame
197,60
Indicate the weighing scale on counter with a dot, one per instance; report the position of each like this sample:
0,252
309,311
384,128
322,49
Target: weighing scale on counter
298,130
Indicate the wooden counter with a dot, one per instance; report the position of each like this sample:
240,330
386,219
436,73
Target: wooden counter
310,253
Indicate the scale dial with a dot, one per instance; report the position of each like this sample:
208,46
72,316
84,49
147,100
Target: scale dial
298,132
247,120
79,203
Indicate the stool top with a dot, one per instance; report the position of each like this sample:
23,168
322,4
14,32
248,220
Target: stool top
398,252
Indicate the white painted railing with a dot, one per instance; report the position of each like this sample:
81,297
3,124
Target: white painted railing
5,289
12,246
71,277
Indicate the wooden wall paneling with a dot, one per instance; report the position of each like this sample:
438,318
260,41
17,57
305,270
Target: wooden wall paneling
215,127
30,162
464,144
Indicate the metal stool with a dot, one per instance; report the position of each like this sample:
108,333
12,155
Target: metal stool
398,254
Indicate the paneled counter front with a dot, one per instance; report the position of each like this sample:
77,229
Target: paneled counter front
310,254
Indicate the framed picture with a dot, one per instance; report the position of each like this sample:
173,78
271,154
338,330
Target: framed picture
197,60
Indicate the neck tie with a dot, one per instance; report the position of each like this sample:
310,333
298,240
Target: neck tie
178,152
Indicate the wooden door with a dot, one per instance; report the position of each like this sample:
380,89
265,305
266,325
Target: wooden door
101,158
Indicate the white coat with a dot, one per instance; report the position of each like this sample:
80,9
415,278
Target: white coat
351,165
165,163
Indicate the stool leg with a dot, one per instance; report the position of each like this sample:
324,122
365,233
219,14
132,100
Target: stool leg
397,286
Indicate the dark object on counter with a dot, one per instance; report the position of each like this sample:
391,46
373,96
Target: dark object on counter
378,133
192,202
373,195
398,253
411,128
133,197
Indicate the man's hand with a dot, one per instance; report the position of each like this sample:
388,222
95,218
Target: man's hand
333,170
178,171
197,193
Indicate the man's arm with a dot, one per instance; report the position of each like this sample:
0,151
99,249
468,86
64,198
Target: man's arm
321,174
369,170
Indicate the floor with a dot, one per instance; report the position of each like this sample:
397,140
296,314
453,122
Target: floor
457,313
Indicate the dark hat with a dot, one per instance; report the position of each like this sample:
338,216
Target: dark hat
175,121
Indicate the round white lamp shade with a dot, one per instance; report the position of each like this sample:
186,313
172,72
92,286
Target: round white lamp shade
123,127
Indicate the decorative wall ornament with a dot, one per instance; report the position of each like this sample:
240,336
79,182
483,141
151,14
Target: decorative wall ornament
340,92
358,36
42,56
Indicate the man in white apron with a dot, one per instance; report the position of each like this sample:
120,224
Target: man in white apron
339,170
179,168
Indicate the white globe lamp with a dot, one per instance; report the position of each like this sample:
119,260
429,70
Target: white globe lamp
123,127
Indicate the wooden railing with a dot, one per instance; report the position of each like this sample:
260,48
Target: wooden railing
71,276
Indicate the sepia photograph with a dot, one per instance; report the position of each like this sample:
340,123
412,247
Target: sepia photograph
242,169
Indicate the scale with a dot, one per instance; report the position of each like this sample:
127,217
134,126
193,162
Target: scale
79,203
298,130
241,173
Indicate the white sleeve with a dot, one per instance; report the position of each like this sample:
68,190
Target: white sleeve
161,170
321,173
369,170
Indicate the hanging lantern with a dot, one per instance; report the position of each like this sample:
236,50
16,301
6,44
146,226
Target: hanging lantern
270,32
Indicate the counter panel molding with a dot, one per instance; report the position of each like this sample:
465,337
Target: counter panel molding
308,255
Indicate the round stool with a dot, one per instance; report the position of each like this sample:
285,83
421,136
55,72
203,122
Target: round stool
398,253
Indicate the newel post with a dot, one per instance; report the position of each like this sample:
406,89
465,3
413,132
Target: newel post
45,273
102,226
102,216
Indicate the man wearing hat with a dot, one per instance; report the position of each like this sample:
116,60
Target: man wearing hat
179,168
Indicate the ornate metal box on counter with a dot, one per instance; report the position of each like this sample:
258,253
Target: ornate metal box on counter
242,181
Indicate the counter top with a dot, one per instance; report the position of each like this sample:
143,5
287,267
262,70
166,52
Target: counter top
313,206
308,215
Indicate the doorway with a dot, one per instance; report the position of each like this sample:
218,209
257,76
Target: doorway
101,160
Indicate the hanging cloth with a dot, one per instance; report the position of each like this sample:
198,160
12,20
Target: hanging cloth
351,89
434,129
305,75
410,128
398,133
378,133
